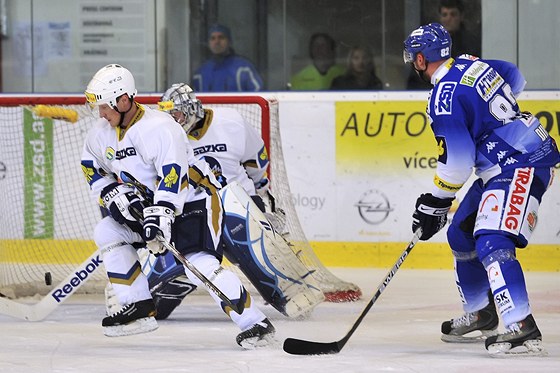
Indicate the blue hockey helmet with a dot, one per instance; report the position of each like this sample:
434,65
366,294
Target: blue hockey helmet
432,40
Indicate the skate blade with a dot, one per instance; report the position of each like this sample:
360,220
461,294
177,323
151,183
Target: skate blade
259,342
472,337
531,347
139,326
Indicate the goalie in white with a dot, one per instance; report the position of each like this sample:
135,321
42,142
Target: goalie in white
237,155
131,140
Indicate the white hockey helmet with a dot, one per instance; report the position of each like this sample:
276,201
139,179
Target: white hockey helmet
109,83
181,97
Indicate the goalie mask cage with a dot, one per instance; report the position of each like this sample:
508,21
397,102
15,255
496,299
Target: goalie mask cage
48,215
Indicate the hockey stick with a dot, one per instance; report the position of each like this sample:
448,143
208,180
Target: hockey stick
302,347
63,291
138,215
184,261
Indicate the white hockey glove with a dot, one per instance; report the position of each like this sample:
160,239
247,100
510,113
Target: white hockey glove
119,198
158,220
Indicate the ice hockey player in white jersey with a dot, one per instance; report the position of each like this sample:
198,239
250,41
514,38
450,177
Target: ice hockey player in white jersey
238,158
139,164
478,125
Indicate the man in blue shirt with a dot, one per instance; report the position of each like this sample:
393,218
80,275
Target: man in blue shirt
478,125
225,71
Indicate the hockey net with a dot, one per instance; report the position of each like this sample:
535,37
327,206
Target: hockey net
48,215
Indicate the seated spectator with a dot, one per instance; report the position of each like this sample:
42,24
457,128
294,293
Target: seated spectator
451,16
225,71
323,68
360,72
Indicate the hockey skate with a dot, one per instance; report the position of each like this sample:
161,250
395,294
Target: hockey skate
523,334
259,335
472,326
135,318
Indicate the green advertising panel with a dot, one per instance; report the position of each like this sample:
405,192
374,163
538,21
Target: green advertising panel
38,175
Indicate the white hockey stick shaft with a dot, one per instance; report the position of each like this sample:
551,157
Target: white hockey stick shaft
59,294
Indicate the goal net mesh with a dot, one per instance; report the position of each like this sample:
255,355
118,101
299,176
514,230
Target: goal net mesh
48,215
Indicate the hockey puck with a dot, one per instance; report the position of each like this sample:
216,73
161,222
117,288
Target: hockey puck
48,278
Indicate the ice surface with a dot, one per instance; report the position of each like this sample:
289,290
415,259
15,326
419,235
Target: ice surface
401,333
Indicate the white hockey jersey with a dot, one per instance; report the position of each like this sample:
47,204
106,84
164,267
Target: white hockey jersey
233,149
153,150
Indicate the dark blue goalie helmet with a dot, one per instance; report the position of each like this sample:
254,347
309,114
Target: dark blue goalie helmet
432,40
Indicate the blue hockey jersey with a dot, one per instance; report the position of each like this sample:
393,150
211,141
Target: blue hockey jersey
477,123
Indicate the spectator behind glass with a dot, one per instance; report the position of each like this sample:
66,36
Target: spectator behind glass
360,72
225,71
451,16
323,69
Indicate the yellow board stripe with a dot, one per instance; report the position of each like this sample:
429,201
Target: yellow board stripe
425,255
46,251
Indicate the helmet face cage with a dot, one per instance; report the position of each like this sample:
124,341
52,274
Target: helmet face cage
180,97
432,40
108,84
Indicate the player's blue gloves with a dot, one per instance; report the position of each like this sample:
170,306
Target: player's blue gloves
430,215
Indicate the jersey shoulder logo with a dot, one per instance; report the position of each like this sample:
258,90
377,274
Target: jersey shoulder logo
262,157
170,180
444,98
89,171
442,149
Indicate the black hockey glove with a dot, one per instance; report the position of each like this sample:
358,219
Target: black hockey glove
430,215
158,220
119,198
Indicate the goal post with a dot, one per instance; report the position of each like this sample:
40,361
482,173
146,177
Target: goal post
48,215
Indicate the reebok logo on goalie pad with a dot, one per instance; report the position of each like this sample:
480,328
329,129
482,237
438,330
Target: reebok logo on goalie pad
81,275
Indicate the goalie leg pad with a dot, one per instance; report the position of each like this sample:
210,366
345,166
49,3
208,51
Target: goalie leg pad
170,295
265,257
167,280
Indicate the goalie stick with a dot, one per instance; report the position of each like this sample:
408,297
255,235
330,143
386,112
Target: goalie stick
59,294
302,347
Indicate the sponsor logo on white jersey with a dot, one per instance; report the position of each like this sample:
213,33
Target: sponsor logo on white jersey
214,148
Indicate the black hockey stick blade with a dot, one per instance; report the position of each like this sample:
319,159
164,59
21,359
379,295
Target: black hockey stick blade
302,347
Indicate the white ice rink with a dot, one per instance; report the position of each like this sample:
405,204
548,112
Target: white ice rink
400,334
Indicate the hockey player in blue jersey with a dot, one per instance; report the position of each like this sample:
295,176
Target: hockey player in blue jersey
478,125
